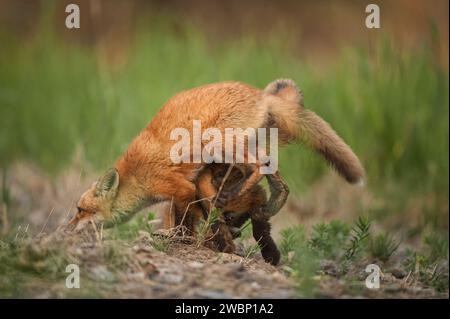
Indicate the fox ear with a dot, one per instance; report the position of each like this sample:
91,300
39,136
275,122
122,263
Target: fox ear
108,184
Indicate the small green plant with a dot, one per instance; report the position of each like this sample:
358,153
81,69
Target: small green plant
130,229
334,240
360,232
383,246
301,259
430,264
204,229
24,256
246,231
161,243
115,254
329,238
437,247
432,274
291,238
250,250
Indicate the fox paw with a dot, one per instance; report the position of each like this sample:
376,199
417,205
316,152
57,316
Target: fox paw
271,255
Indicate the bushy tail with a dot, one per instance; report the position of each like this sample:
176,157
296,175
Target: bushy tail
324,140
294,122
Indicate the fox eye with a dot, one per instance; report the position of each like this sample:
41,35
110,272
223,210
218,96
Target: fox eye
84,211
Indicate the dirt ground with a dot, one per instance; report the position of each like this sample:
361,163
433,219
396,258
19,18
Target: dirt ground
159,265
111,269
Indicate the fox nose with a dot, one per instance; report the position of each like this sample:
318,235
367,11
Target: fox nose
72,223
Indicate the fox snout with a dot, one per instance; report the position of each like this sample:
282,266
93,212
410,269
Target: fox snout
79,220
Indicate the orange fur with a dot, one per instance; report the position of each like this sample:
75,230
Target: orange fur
147,175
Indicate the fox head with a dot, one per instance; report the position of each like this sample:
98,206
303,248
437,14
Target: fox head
97,202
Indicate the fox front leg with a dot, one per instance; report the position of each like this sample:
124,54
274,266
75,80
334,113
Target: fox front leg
188,214
222,236
186,210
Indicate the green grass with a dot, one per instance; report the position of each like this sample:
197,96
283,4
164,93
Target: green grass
130,229
383,246
30,266
360,233
303,254
33,267
390,106
327,238
430,264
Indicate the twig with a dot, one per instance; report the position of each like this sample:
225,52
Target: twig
407,277
18,230
5,218
73,198
46,221
170,212
246,225
97,235
25,232
101,232
223,182
187,208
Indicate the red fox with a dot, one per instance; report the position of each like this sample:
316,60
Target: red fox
145,173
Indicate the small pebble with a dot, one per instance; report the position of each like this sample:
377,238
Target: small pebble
102,273
169,278
398,273
213,294
195,265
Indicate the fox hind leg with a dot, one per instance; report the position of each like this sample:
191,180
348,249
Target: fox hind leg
279,192
261,233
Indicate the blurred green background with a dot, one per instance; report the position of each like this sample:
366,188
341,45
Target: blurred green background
385,91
